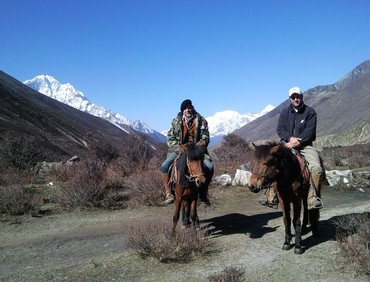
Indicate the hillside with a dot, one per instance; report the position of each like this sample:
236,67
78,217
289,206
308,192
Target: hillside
342,109
58,128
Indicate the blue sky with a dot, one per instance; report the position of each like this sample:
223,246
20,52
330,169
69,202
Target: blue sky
142,58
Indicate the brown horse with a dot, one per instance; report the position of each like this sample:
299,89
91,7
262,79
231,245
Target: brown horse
275,163
189,177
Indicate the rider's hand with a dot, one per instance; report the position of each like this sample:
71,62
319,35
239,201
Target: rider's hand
294,142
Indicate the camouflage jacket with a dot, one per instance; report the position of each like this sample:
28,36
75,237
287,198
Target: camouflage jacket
175,134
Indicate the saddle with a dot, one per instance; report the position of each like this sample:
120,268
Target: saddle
303,165
172,172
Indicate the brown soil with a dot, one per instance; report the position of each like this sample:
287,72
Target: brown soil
89,246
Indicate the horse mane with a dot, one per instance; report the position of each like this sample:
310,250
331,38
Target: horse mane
194,152
262,149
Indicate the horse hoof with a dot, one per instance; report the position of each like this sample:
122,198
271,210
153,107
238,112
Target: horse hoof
286,247
298,251
183,227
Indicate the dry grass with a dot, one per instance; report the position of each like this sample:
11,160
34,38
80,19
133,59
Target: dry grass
158,241
229,274
349,156
353,240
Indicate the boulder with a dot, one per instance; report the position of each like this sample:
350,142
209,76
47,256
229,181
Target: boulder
223,180
241,178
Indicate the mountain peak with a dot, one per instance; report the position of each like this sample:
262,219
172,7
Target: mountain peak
67,94
223,123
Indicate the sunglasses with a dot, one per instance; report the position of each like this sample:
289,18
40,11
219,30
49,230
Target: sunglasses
293,97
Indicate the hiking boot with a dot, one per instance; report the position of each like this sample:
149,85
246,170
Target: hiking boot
314,203
169,199
204,199
264,202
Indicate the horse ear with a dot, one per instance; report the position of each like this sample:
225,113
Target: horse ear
275,150
253,146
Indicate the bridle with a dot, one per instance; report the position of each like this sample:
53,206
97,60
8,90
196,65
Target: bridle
191,177
265,176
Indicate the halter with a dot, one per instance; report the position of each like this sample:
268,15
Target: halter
192,177
265,185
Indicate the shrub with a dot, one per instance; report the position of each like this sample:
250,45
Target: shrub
85,187
157,240
231,154
349,156
353,240
105,153
15,200
20,152
136,154
145,188
229,274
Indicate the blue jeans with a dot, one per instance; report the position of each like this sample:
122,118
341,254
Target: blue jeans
172,156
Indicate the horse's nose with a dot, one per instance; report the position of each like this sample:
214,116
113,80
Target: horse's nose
253,188
199,180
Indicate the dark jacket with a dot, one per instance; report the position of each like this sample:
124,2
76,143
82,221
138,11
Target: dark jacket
175,134
301,124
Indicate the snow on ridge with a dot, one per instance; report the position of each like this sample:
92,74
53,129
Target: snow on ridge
67,94
223,123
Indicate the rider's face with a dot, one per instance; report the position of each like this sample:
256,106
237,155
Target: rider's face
188,112
295,100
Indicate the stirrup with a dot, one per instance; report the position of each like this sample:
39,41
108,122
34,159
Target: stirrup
317,204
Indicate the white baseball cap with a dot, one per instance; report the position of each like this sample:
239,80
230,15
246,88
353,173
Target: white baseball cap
295,90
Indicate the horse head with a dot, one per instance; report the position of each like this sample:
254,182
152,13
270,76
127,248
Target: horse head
265,168
194,160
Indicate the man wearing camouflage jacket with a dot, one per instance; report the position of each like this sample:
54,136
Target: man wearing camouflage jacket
187,125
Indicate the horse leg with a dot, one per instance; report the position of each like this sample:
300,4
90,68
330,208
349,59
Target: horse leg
176,214
297,227
183,216
305,216
178,204
186,214
194,214
285,207
314,216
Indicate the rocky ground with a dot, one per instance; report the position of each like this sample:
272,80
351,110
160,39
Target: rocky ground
89,246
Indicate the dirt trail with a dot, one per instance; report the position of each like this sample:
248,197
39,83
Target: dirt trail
89,246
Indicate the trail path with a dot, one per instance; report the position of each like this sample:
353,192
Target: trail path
89,246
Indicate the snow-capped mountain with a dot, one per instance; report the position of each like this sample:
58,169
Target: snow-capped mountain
223,123
67,94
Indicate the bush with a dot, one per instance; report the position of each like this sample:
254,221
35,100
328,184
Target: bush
146,188
158,241
353,240
20,152
105,153
16,200
354,156
229,274
85,186
231,154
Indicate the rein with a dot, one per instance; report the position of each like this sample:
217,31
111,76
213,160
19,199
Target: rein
264,175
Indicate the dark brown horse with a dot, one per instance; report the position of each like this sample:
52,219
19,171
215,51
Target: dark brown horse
189,177
275,163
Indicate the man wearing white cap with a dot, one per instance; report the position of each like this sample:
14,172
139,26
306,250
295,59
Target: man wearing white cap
297,128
